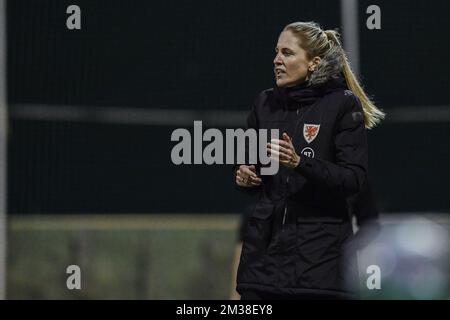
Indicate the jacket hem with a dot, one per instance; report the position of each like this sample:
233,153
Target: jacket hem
293,291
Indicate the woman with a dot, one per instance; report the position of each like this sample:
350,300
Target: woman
296,235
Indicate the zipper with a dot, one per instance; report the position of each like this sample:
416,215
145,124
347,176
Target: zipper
287,179
284,216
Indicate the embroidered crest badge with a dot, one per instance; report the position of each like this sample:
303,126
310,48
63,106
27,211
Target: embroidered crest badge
310,131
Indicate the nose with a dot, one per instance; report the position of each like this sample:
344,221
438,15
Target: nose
277,60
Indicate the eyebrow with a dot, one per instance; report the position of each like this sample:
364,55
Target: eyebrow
283,48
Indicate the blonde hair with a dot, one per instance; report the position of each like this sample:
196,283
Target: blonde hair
326,45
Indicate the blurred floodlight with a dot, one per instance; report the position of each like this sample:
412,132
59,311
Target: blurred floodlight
412,253
422,237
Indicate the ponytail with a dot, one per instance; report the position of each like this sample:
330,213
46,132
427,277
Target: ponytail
372,115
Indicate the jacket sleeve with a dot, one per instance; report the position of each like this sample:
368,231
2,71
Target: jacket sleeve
363,206
346,175
251,123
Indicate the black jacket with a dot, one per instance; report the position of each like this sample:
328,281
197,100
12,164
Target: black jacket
295,239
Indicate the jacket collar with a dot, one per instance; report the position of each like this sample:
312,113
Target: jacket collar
307,93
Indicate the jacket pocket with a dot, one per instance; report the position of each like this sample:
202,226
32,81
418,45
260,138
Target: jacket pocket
318,251
259,228
263,210
319,233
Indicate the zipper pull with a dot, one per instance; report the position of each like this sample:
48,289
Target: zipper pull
284,217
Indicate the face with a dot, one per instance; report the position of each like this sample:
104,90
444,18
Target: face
291,63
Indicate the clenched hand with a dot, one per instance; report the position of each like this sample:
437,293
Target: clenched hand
246,176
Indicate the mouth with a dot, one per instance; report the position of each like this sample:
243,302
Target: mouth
279,73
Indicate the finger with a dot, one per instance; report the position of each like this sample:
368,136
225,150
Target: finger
244,179
283,150
248,178
288,151
288,139
248,173
249,182
244,171
276,141
272,148
242,182
255,180
281,143
277,156
274,154
252,168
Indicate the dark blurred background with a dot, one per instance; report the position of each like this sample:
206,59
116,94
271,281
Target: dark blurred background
91,113
203,57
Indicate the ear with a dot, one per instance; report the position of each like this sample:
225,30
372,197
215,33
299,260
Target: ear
314,63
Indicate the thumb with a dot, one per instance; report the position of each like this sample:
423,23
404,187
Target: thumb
286,137
253,171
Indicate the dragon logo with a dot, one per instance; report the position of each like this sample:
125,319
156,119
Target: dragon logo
310,131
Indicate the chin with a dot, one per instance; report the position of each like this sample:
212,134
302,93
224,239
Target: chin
281,83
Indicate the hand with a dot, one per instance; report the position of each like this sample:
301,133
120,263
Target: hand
284,150
246,176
